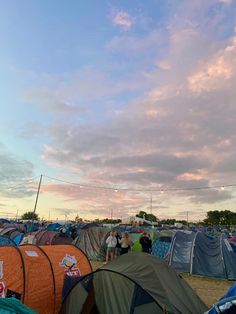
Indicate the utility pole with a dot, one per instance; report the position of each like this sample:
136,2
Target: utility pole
36,201
111,213
187,218
151,203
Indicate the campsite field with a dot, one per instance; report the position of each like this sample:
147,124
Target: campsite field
209,290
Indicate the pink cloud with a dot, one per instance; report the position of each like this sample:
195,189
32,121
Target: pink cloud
225,1
123,19
214,73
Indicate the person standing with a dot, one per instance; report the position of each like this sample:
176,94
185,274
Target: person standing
125,244
111,245
146,243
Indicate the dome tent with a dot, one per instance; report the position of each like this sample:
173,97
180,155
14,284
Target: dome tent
133,283
5,241
92,241
46,237
36,276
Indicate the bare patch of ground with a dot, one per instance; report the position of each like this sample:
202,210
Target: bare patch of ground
208,289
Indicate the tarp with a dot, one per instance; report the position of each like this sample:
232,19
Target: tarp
132,283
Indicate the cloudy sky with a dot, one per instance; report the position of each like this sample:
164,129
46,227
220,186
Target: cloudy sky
128,95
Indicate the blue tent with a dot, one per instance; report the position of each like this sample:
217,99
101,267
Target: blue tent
18,238
161,246
194,253
54,227
4,241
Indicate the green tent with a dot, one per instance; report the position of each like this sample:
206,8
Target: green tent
133,283
14,306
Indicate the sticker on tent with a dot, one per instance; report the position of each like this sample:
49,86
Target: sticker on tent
1,270
71,265
31,253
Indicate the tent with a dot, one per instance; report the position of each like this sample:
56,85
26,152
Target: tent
8,230
14,306
54,227
133,283
162,244
92,241
4,241
196,254
18,238
35,275
46,237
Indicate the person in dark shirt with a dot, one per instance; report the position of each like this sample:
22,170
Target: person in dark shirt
146,243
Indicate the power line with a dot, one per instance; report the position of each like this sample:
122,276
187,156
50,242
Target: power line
23,181
116,189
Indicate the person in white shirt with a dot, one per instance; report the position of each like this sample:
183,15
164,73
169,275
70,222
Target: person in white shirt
111,245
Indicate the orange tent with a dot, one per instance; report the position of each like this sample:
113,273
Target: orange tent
35,274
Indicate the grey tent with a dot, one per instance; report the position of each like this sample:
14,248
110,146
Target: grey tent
196,254
134,283
92,241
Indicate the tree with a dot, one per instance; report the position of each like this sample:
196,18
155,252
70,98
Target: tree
149,217
223,217
30,216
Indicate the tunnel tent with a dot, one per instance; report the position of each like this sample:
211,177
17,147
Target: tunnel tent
75,264
34,275
126,285
196,254
92,241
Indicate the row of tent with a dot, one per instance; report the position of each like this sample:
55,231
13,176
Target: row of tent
13,236
197,254
187,252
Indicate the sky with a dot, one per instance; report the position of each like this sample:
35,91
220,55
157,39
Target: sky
120,98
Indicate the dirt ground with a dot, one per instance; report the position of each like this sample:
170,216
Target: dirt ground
209,290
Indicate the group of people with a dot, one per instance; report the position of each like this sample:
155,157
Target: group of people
117,245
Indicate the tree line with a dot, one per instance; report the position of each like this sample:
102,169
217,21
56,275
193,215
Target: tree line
214,217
